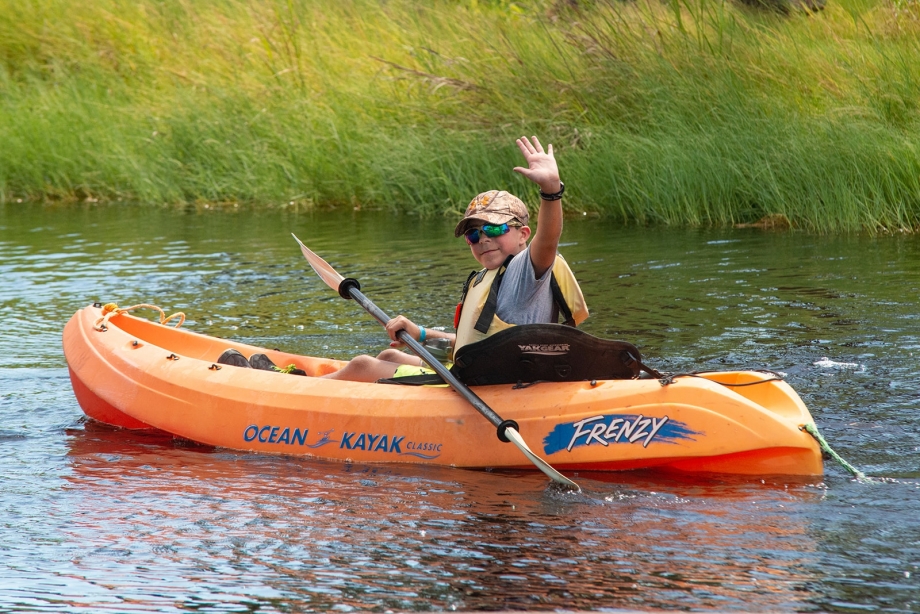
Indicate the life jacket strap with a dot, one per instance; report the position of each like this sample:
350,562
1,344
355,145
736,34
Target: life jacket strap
488,310
561,307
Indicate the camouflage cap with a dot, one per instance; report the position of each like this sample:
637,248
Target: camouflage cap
493,207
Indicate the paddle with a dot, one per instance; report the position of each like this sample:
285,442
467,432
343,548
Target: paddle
507,429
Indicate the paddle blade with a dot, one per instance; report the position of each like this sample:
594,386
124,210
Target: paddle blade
515,438
322,268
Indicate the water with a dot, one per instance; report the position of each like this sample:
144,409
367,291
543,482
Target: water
96,520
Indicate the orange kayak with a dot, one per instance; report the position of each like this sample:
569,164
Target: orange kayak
140,374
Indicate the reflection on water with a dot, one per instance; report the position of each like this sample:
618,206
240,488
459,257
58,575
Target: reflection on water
327,534
93,519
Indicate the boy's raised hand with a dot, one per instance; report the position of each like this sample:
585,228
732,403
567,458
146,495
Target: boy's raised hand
541,165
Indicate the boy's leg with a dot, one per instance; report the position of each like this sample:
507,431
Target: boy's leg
365,369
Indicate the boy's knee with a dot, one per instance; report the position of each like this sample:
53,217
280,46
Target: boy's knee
390,355
363,361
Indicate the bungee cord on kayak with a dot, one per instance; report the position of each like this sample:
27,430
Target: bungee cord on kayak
669,378
110,310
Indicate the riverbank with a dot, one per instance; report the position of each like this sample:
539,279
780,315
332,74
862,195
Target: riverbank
700,113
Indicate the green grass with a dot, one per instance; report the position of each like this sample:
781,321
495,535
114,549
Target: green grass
693,112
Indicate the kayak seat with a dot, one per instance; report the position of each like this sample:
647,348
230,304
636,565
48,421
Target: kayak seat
546,352
540,353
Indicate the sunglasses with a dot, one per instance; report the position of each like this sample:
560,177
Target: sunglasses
473,235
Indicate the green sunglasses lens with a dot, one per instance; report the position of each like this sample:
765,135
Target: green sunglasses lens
491,230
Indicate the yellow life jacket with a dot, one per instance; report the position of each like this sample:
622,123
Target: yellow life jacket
475,318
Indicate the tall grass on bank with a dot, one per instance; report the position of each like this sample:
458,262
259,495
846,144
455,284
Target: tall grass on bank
698,112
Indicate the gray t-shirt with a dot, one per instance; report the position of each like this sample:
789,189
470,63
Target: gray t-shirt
522,298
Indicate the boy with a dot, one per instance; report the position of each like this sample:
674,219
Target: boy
519,283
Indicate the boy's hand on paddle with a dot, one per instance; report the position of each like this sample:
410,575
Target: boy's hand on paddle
401,323
541,165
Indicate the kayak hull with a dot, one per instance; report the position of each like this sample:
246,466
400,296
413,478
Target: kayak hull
140,374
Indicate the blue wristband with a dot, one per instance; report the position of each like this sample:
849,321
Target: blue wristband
421,333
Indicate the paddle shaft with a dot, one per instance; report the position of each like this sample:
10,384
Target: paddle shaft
425,355
508,430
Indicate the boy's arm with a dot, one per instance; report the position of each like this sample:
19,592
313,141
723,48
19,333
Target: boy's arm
542,170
